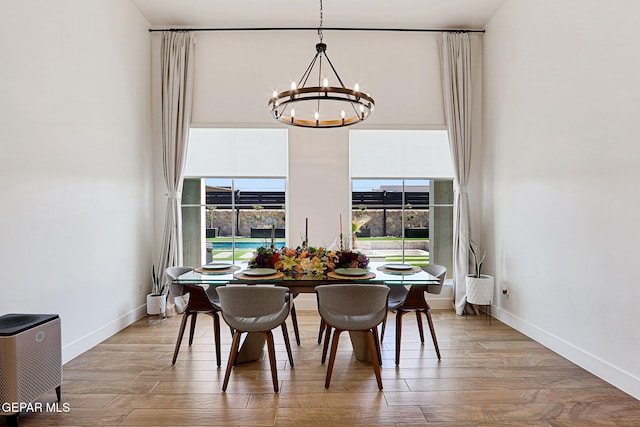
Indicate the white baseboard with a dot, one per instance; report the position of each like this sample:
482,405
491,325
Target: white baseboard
602,369
94,338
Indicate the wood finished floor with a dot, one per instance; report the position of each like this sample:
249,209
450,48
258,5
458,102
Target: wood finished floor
489,375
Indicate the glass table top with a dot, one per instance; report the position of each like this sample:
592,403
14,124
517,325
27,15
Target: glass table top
376,273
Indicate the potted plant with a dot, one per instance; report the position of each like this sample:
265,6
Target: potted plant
157,299
212,230
357,224
259,230
410,231
479,286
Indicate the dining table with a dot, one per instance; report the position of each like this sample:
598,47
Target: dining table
239,273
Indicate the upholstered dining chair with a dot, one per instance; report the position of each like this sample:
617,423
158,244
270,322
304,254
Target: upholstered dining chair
255,309
177,291
403,301
353,307
199,302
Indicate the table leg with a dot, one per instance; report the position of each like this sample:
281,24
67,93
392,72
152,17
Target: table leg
360,348
251,348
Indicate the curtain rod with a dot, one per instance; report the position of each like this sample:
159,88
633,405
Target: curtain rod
410,30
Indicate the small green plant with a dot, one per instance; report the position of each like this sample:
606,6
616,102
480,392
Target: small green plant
477,259
259,216
157,287
211,216
409,215
358,222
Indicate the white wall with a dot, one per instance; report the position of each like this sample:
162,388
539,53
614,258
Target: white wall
560,164
237,72
319,185
75,173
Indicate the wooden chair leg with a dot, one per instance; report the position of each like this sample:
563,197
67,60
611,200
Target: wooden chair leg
433,332
376,338
183,325
194,316
272,360
216,336
294,320
321,330
287,343
399,315
233,354
327,338
420,330
375,361
332,356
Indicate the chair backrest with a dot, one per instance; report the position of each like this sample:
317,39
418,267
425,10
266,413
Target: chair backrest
240,304
199,301
439,271
172,273
352,306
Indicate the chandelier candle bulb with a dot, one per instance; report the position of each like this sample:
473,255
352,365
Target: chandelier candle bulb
356,87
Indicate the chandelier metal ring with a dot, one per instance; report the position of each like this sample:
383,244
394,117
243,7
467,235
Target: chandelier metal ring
363,103
321,106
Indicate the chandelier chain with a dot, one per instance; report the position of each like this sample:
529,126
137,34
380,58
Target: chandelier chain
321,19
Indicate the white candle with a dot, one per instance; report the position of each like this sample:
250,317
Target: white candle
341,223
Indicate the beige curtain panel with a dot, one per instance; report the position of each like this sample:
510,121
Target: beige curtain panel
177,57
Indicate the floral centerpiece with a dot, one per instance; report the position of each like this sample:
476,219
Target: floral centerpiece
306,260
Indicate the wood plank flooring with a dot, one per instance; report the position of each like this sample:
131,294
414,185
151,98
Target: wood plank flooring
489,375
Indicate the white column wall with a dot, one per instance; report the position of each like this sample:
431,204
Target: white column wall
75,172
561,159
319,185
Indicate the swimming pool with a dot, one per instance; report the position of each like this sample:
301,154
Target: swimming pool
222,246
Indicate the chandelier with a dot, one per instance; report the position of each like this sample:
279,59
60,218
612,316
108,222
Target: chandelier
321,106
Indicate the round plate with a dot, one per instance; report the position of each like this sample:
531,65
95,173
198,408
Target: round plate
259,271
398,266
351,271
216,266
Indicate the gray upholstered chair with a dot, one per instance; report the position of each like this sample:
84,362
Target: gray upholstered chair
199,302
255,309
177,291
353,307
403,300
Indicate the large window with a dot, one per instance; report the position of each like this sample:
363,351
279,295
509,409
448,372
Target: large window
402,195
233,200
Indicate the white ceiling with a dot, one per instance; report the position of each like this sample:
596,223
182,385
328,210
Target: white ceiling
436,14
